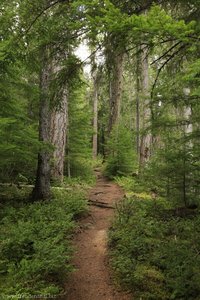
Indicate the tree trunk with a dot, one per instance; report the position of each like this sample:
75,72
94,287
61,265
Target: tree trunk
58,132
187,116
138,107
68,142
41,190
115,90
95,120
145,142
96,73
59,121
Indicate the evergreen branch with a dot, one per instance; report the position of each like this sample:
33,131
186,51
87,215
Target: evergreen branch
136,46
155,44
100,46
40,14
163,65
93,53
75,35
146,6
168,51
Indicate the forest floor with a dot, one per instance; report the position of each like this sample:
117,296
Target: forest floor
92,279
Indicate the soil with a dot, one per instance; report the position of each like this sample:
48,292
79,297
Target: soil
92,279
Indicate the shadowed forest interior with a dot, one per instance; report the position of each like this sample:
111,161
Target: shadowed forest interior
101,98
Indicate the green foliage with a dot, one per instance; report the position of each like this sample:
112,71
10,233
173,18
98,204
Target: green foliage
19,142
79,138
129,183
121,159
155,250
83,176
35,244
174,172
174,168
17,158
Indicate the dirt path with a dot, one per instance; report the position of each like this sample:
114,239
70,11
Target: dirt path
92,280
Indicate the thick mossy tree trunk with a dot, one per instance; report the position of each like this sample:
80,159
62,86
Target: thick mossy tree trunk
58,133
41,190
116,83
59,118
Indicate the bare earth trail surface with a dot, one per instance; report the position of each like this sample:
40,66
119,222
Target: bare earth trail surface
92,278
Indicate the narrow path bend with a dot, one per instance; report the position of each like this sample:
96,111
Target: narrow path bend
92,280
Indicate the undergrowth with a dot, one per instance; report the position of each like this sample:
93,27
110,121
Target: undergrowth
155,247
35,242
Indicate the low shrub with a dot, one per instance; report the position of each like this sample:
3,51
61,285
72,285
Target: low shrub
35,244
81,170
131,184
154,252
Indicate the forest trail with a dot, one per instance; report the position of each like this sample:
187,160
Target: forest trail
92,278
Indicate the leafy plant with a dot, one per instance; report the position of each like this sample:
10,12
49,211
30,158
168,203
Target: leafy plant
155,250
35,244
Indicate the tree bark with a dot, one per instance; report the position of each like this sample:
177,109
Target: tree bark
96,77
41,189
58,132
138,107
59,121
68,142
95,120
115,89
145,142
187,116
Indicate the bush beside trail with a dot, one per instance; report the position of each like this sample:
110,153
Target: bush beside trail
154,248
35,243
